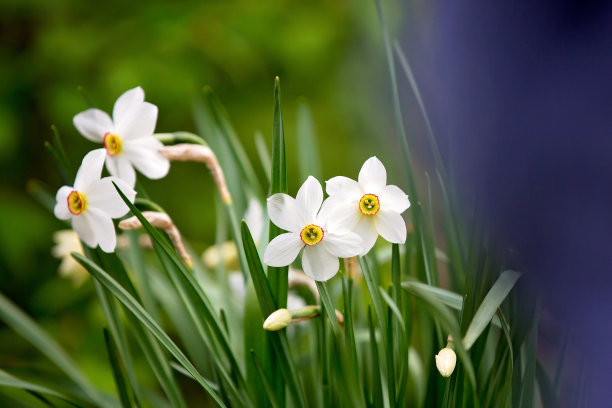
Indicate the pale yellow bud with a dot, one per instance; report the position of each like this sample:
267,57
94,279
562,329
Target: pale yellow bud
446,359
277,320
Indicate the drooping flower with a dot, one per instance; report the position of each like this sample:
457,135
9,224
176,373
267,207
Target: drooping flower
92,203
127,137
308,230
368,207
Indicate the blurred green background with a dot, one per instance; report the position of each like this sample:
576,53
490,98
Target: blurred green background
329,53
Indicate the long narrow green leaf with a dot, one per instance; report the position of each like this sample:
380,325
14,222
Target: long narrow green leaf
278,277
124,393
392,306
195,291
138,311
8,380
415,89
489,305
449,323
528,381
328,304
109,308
267,306
374,293
264,155
262,377
376,373
29,330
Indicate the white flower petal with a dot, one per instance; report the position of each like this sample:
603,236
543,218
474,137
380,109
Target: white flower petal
283,249
339,215
81,225
343,246
255,218
394,199
104,197
319,263
90,170
140,122
93,124
391,226
144,154
343,186
366,229
125,106
103,229
61,207
285,213
120,167
310,197
373,176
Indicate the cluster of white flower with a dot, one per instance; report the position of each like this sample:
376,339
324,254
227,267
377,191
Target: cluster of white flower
92,202
346,224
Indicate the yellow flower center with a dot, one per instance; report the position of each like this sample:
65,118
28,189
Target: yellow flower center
312,234
112,144
369,204
76,202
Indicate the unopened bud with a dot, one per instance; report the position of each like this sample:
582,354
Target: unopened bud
277,320
446,359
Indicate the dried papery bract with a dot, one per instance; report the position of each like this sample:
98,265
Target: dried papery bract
162,221
203,154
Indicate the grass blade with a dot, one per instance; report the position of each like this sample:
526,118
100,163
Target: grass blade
489,306
267,306
8,380
328,305
278,277
122,389
29,330
138,311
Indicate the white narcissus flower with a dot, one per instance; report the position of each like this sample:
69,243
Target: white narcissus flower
92,203
368,207
308,230
127,137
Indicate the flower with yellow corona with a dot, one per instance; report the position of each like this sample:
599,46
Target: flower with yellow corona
368,207
308,231
127,138
92,203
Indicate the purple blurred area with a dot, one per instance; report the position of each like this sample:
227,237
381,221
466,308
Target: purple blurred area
520,95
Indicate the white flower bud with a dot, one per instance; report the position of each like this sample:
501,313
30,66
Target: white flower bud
446,359
277,320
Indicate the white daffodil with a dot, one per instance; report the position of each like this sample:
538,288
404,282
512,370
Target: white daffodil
127,137
368,207
308,230
92,203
